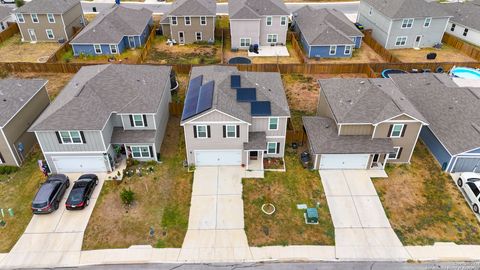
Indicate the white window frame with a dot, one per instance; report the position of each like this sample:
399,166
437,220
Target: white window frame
245,42
34,15
115,47
407,23
203,20
334,47
51,17
349,47
397,150
393,130
20,15
95,48
269,21
272,35
70,137
283,20
274,149
189,20
234,131
196,36
397,44
50,30
429,20
135,121
139,148
270,123
174,20
199,132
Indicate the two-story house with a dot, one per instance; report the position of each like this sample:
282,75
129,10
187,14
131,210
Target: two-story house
400,24
114,31
49,20
21,102
261,22
465,23
190,21
5,17
104,114
362,124
234,118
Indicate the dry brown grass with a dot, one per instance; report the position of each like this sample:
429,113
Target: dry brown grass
364,54
14,50
424,205
56,81
161,53
446,54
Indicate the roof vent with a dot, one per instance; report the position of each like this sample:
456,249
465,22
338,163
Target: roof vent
327,126
362,82
450,107
4,100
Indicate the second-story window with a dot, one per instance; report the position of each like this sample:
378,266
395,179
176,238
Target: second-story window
70,137
203,20
427,22
20,18
396,130
138,120
201,131
283,21
269,21
34,17
173,20
51,18
187,21
407,23
272,123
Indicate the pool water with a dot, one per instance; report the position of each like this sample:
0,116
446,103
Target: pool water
466,73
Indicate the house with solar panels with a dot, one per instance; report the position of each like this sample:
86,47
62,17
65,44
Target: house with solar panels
233,117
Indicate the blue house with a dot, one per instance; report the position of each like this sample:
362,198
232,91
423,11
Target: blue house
326,33
114,31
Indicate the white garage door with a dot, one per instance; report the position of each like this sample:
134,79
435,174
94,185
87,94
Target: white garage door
218,158
340,161
79,164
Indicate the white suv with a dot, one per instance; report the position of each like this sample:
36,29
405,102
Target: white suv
470,183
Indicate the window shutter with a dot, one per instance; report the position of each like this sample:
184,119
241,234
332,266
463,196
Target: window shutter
224,131
1,158
58,137
399,152
403,131
151,151
83,137
145,120
390,130
238,131
278,147
208,131
195,131
131,120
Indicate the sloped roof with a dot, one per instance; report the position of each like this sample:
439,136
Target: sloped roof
97,91
366,100
325,26
255,9
193,8
47,6
5,12
399,9
112,25
464,13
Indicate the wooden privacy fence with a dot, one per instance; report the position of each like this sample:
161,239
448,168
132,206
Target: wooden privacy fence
378,48
297,48
58,55
297,136
148,45
176,109
11,30
464,47
43,67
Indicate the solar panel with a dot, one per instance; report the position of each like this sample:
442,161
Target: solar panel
206,97
260,108
235,81
246,94
191,99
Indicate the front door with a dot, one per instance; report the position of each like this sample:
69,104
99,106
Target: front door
181,37
33,36
418,42
375,160
131,42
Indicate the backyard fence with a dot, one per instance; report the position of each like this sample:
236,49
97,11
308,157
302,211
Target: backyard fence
295,136
58,55
464,47
11,30
148,45
176,109
378,48
296,47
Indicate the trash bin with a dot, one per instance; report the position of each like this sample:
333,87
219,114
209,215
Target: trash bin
431,56
312,215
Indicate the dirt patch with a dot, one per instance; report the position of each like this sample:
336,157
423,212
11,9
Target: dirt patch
445,54
424,205
56,81
14,50
364,54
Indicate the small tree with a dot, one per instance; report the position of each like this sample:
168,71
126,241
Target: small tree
19,3
127,196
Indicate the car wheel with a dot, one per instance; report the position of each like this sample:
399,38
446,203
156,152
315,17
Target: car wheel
88,202
460,182
55,205
475,208
96,182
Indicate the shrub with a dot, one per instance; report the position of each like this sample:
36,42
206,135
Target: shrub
19,3
127,196
8,169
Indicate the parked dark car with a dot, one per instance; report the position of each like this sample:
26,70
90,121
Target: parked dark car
82,190
50,194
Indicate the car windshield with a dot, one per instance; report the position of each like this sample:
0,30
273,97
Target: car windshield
76,195
474,179
39,204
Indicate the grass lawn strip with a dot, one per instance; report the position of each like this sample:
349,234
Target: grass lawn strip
445,54
14,50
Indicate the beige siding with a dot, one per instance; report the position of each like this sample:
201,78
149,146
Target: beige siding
261,124
407,142
166,30
41,26
215,116
5,151
356,130
161,118
73,18
208,31
323,108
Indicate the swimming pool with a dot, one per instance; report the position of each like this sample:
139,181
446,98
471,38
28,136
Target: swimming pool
466,73
386,73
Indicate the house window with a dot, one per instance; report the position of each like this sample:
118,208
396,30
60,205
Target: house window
34,17
245,42
202,131
113,49
173,20
198,36
396,130
453,27
465,32
283,21
395,154
407,23
138,120
97,48
70,137
203,20
50,34
187,21
20,18
333,50
51,18
272,38
272,148
140,151
348,50
231,131
272,123
269,21
427,22
401,41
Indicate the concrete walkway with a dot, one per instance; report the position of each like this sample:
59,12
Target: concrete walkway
362,230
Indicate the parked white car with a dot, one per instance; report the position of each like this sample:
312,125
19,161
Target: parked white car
470,183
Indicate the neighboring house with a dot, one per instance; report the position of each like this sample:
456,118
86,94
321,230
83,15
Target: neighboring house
233,117
103,111
453,134
400,24
326,33
190,21
262,22
114,31
465,23
361,124
5,17
21,102
49,20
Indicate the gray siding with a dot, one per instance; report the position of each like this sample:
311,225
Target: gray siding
49,142
261,124
244,29
379,23
127,125
116,120
73,18
108,130
430,35
5,151
275,28
161,118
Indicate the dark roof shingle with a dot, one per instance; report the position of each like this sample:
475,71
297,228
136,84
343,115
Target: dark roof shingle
399,9
47,6
255,9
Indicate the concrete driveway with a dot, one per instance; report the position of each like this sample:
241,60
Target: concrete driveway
362,230
216,226
56,238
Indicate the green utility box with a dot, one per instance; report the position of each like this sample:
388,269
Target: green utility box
312,215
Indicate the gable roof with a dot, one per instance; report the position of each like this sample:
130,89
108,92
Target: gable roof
269,87
464,13
367,101
193,8
47,6
452,111
399,9
112,25
14,94
5,12
255,9
325,26
97,91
